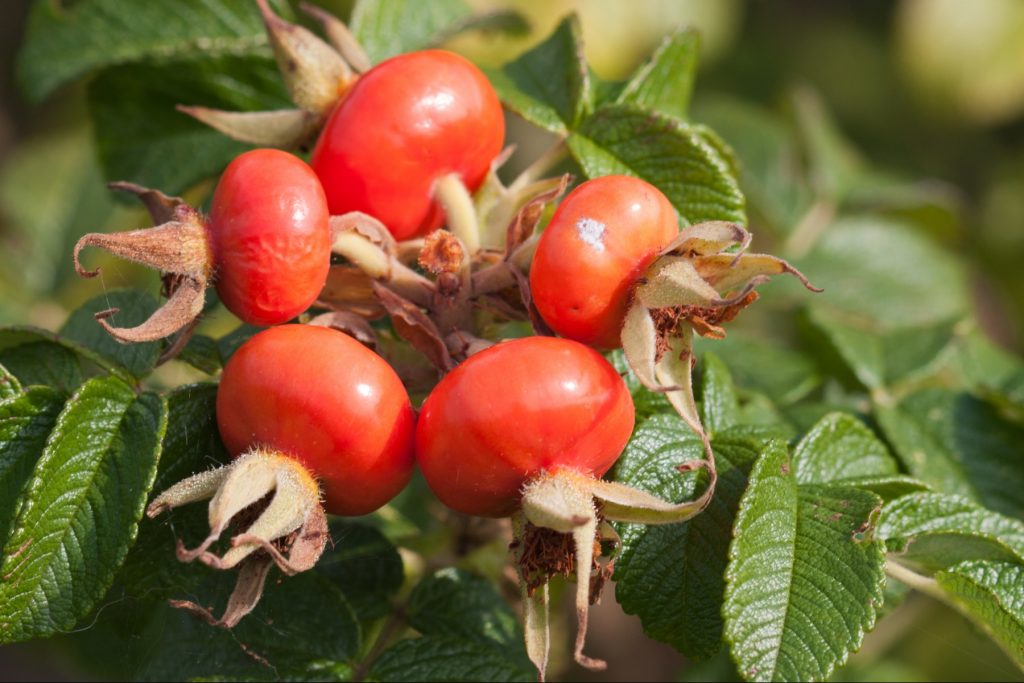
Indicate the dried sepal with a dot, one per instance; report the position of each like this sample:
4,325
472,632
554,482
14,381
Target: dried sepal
252,576
640,345
366,225
711,237
275,503
282,128
340,37
674,281
180,311
348,288
179,248
314,73
675,369
726,272
351,324
162,208
621,503
524,223
413,325
562,501
536,606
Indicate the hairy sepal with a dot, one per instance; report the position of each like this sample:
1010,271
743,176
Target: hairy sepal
576,505
274,501
178,247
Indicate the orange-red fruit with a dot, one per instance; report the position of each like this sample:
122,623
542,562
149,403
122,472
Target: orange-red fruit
317,395
405,123
269,233
519,408
601,238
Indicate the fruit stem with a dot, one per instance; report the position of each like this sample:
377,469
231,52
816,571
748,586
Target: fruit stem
458,206
380,265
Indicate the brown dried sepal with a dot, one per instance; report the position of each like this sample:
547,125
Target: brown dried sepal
414,326
562,528
348,288
273,503
351,324
547,553
178,247
316,74
699,283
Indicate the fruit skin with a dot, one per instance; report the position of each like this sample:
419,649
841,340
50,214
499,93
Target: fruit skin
514,410
405,123
600,239
323,398
269,233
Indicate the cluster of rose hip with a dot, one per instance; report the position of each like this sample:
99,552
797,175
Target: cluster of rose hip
319,423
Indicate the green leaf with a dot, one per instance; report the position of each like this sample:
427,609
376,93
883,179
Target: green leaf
65,42
887,272
772,175
81,509
202,353
26,421
719,405
386,28
672,576
665,82
833,163
52,191
469,634
135,307
670,154
840,447
993,594
645,402
448,658
302,629
803,582
549,85
191,444
9,384
935,531
888,486
230,342
365,566
143,139
880,359
959,444
759,365
36,356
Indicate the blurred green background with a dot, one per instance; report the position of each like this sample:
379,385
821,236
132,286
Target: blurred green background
882,148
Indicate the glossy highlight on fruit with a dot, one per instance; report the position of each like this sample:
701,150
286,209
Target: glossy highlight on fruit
515,410
599,241
269,233
406,123
317,395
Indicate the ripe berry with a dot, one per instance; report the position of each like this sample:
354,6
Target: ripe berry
405,124
266,245
599,241
323,398
305,410
269,233
516,410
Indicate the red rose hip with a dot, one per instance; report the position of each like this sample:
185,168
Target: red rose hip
516,410
599,241
404,125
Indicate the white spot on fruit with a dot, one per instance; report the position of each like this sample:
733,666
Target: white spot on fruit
591,232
